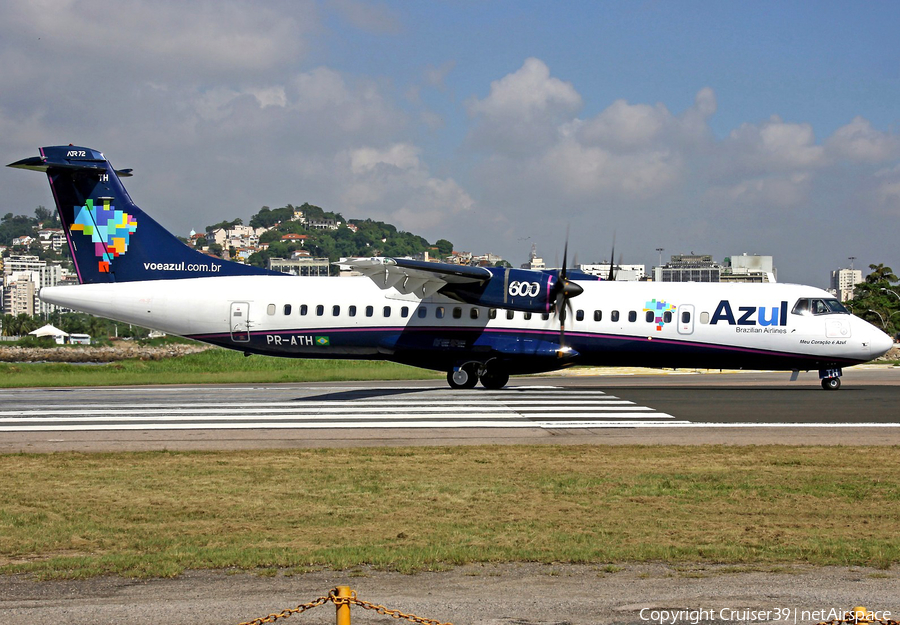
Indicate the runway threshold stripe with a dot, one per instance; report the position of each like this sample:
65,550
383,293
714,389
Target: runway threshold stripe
337,418
326,425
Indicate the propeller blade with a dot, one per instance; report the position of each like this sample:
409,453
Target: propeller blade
612,260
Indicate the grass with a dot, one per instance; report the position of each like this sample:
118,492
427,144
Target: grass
158,514
214,366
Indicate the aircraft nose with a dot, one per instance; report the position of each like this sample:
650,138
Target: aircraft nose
880,344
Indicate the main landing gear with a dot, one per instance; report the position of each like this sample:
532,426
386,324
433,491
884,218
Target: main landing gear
467,376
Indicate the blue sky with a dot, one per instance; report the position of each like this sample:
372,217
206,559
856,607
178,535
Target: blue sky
718,127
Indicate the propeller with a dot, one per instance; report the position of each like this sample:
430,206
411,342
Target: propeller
612,260
564,290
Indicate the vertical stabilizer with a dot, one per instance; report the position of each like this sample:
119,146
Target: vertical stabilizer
111,239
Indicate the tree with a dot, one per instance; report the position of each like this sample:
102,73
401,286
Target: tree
877,299
445,247
44,215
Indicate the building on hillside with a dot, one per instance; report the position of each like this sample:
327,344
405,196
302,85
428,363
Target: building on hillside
52,238
295,238
23,241
748,268
460,258
236,236
688,268
843,282
323,224
300,266
488,259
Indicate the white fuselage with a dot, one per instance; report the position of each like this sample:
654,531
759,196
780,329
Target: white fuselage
655,324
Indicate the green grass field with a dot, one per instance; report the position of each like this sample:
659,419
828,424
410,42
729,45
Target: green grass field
412,509
214,366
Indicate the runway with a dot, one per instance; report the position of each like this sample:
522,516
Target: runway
743,408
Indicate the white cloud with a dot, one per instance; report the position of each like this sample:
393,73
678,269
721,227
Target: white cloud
435,76
759,196
161,38
526,94
774,145
368,16
859,141
523,110
394,185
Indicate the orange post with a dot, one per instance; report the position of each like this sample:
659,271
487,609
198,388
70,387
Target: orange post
343,607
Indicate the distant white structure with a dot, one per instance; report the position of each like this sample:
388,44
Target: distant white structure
49,330
24,277
843,282
535,262
623,273
748,268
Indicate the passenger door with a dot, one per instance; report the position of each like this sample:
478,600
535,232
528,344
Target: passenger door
240,322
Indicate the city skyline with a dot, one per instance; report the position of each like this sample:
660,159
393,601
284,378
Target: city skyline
762,128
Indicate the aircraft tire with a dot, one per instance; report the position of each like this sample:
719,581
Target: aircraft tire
464,377
831,384
494,380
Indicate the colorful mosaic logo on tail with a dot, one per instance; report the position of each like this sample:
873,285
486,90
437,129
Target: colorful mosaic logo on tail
110,230
659,309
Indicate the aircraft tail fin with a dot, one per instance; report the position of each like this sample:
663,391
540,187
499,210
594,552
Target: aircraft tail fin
111,239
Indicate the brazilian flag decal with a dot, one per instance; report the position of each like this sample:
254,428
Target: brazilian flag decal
322,341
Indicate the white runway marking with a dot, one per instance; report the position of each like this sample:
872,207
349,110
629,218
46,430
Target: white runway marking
528,407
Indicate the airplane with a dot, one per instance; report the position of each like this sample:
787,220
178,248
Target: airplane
475,323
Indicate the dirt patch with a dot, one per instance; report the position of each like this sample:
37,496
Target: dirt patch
113,353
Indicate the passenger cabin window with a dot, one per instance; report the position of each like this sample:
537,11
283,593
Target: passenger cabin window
404,312
370,311
287,309
649,316
527,316
579,315
704,317
423,312
667,316
304,309
632,316
387,311
439,312
614,316
270,309
351,311
457,312
598,315
492,313
685,317
335,311
545,316
320,310
510,314
473,313
808,306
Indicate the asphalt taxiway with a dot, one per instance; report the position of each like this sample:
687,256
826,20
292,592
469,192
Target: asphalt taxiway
617,407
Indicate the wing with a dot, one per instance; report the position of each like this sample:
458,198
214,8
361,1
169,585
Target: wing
414,276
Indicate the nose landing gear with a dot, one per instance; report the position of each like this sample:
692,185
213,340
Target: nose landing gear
831,379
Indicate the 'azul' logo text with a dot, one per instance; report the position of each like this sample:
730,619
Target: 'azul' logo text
750,315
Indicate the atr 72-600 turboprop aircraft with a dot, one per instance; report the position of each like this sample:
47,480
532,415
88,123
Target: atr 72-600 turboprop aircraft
475,323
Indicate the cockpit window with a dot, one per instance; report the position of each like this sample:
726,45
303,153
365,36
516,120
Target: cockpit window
807,306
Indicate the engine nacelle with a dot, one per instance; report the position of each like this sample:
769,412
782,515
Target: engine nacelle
516,289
